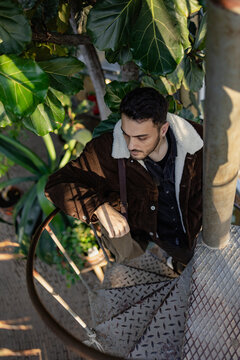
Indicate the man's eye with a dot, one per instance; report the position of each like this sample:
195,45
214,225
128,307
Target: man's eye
142,138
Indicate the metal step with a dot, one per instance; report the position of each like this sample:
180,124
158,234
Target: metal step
152,263
106,303
163,338
120,334
119,275
213,321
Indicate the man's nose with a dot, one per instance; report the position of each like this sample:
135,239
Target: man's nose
131,144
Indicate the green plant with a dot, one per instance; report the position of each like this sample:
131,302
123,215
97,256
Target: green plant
33,205
78,239
165,39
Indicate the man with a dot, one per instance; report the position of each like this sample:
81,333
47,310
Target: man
163,159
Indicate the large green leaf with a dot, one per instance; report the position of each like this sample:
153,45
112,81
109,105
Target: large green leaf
22,155
17,180
158,39
15,31
25,219
6,117
166,85
110,22
23,84
106,125
64,74
115,92
82,136
27,216
69,85
163,85
47,207
201,34
64,66
47,116
122,55
193,74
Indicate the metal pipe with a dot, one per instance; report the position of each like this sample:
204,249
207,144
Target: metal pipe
222,124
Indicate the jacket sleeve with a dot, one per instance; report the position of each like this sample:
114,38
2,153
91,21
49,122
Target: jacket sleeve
81,186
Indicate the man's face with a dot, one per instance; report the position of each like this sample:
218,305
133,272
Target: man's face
142,138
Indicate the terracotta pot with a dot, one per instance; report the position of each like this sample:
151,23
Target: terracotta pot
8,199
95,259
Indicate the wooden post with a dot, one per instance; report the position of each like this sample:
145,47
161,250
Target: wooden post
222,120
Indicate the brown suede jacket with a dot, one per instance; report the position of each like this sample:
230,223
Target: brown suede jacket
92,179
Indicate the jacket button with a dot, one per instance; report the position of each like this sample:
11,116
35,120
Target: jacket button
131,161
151,233
84,217
152,208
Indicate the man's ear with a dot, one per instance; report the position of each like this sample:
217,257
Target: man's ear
164,129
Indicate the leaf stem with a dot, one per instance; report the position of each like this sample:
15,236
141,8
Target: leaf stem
50,150
68,153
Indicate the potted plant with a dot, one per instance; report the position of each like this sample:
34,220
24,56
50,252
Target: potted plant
82,247
9,195
33,206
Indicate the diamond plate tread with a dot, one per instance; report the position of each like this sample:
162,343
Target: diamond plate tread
119,275
119,334
107,303
152,263
213,321
163,338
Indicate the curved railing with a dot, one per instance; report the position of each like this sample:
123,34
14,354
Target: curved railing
70,340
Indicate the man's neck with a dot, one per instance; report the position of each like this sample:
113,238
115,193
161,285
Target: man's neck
160,151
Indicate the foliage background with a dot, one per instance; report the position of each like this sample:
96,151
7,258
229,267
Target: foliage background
157,43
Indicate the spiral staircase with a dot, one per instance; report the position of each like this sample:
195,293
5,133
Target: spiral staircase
144,310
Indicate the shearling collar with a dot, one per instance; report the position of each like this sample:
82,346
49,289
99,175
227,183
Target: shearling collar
187,138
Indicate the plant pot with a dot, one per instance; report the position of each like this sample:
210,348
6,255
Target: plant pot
8,199
96,258
95,262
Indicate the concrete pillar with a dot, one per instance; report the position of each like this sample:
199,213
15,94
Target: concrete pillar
222,120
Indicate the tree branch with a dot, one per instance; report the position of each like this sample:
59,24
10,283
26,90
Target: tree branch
61,39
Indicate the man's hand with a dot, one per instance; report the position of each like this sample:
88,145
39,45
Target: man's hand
115,223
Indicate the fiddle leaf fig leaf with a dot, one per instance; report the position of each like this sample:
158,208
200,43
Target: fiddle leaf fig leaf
193,75
15,31
160,37
47,116
115,92
201,34
64,74
23,84
6,118
162,84
106,125
109,22
122,55
63,66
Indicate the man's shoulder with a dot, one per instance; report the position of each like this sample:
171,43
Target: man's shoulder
197,127
102,142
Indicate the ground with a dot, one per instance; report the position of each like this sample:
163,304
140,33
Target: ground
23,334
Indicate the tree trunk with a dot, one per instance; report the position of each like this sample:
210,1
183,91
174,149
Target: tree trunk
96,74
222,130
95,71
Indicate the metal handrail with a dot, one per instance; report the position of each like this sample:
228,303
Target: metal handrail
70,340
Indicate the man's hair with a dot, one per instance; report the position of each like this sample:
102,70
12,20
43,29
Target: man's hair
145,103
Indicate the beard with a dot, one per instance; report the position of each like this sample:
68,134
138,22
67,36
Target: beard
141,155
